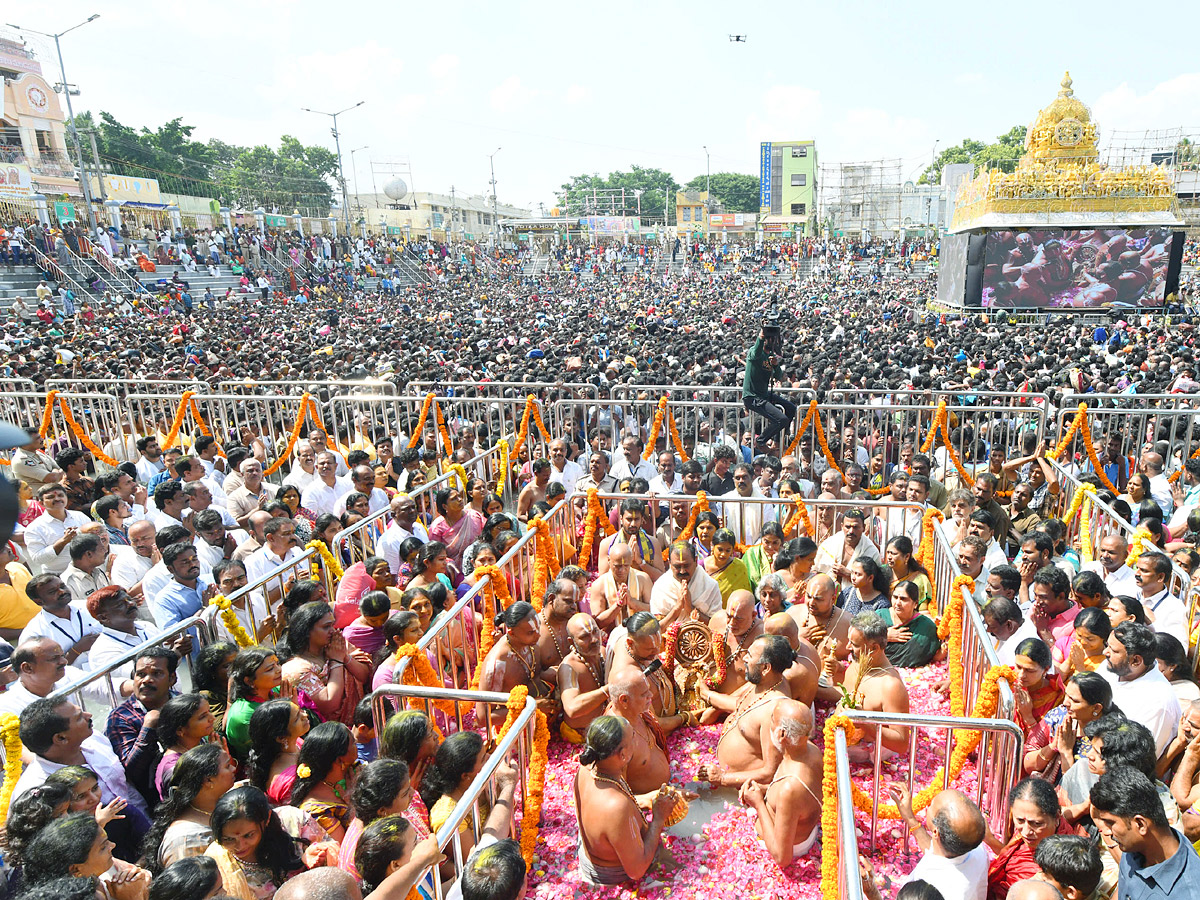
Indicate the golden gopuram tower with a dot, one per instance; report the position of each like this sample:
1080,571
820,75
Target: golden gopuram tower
1060,181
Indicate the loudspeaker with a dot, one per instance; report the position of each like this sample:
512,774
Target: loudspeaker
973,292
1174,264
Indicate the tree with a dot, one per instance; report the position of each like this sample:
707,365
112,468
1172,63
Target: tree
294,177
591,195
737,192
1007,148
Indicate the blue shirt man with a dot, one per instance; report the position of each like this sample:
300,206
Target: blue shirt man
188,591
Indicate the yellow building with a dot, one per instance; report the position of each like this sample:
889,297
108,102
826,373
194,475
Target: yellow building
33,142
691,212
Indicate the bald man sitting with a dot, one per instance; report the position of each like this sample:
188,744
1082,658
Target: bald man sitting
955,860
789,807
630,697
740,625
621,591
581,680
800,680
328,883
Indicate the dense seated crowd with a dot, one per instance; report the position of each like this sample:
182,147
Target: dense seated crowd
105,561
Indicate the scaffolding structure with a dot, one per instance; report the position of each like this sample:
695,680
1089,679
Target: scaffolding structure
1177,147
861,199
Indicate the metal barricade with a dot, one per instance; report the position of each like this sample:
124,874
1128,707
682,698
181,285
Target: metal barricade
999,753
1173,418
272,587
364,414
201,627
849,882
98,416
517,743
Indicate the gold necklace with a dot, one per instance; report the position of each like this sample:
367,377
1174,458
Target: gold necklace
621,784
739,713
521,659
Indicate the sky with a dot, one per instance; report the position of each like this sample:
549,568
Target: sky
564,88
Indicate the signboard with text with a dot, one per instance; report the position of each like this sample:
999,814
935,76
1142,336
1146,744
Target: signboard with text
764,178
127,189
64,212
276,221
15,182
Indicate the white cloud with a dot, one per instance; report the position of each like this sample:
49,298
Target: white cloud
1168,104
787,112
510,95
577,93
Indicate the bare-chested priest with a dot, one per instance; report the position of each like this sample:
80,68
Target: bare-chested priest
513,660
745,751
621,591
801,678
818,617
646,553
739,626
582,689
558,605
872,681
616,844
630,697
640,650
789,806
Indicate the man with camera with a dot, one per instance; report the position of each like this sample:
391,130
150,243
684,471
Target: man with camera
762,365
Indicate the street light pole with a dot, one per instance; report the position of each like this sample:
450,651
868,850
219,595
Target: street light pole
354,172
707,169
495,216
338,144
83,179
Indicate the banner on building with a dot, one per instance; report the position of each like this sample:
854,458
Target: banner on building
127,189
275,221
764,178
395,229
612,224
15,182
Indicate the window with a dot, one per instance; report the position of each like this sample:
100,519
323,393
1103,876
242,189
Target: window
855,210
799,152
799,180
798,209
687,214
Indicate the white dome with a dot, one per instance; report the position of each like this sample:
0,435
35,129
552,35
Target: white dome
395,189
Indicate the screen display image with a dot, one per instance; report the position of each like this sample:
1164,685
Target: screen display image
1056,268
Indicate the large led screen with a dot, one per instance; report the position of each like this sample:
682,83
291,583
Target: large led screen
1056,268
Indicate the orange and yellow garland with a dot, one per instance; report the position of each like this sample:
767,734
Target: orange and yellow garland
307,407
10,733
232,624
701,505
422,418
535,784
495,590
327,559
420,671
544,559
593,521
530,411
447,443
800,515
655,428
925,550
502,467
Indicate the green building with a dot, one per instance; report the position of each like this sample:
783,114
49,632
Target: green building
787,188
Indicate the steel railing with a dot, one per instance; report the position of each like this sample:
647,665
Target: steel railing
849,882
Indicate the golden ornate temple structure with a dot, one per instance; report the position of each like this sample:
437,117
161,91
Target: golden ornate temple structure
1060,181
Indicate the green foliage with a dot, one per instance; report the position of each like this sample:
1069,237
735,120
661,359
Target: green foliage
292,177
1002,154
737,192
1187,153
576,197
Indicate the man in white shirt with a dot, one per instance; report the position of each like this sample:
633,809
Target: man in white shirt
955,859
667,481
279,549
200,498
565,471
304,471
130,564
404,525
1110,565
1160,486
983,526
838,551
319,441
629,462
362,480
120,631
1138,687
1165,611
47,537
745,520
1007,625
60,620
171,505
684,589
190,469
321,495
60,734
41,668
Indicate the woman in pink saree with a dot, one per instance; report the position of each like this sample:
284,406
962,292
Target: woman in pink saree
457,525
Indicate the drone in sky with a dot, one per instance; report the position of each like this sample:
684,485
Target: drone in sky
737,38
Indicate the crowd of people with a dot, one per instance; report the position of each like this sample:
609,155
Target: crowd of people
106,560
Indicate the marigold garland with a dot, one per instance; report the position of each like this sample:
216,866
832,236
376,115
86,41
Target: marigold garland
720,656
950,626
496,589
544,560
925,550
530,412
83,438
10,733
306,406
1086,430
420,671
1077,502
327,559
459,472
422,418
1086,549
829,804
938,418
502,472
177,420
440,420
799,515
701,505
232,624
678,444
1072,429
804,423
655,428
48,413
535,784
1138,542
594,519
